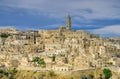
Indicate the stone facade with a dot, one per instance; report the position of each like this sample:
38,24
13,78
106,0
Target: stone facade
76,50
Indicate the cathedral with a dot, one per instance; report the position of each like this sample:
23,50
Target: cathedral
68,23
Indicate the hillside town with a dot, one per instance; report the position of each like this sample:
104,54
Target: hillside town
61,50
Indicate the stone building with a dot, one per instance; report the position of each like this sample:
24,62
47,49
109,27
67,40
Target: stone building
74,49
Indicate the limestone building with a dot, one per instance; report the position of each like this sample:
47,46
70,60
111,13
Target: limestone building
75,49
68,23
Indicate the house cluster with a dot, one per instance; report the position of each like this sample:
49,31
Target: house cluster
62,50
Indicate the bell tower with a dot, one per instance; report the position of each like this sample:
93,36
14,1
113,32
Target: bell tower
68,23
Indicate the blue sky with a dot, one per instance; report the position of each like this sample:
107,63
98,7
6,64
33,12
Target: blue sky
97,16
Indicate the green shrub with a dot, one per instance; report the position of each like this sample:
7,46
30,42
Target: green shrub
107,73
83,77
6,73
40,61
53,57
1,71
14,70
4,35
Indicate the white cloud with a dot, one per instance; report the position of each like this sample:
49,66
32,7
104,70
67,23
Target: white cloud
81,10
89,9
114,30
54,26
2,27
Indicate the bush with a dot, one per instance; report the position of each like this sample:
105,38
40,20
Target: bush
6,73
4,35
83,77
90,76
107,73
52,73
1,71
14,70
54,58
39,61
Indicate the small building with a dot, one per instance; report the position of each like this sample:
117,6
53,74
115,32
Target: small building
62,67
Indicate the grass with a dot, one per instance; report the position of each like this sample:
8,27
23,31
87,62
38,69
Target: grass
46,75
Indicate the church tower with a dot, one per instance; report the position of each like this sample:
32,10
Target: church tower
68,23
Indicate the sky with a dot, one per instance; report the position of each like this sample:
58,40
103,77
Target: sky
96,16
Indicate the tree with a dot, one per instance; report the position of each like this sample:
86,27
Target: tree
4,35
6,73
39,61
35,59
107,73
53,57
